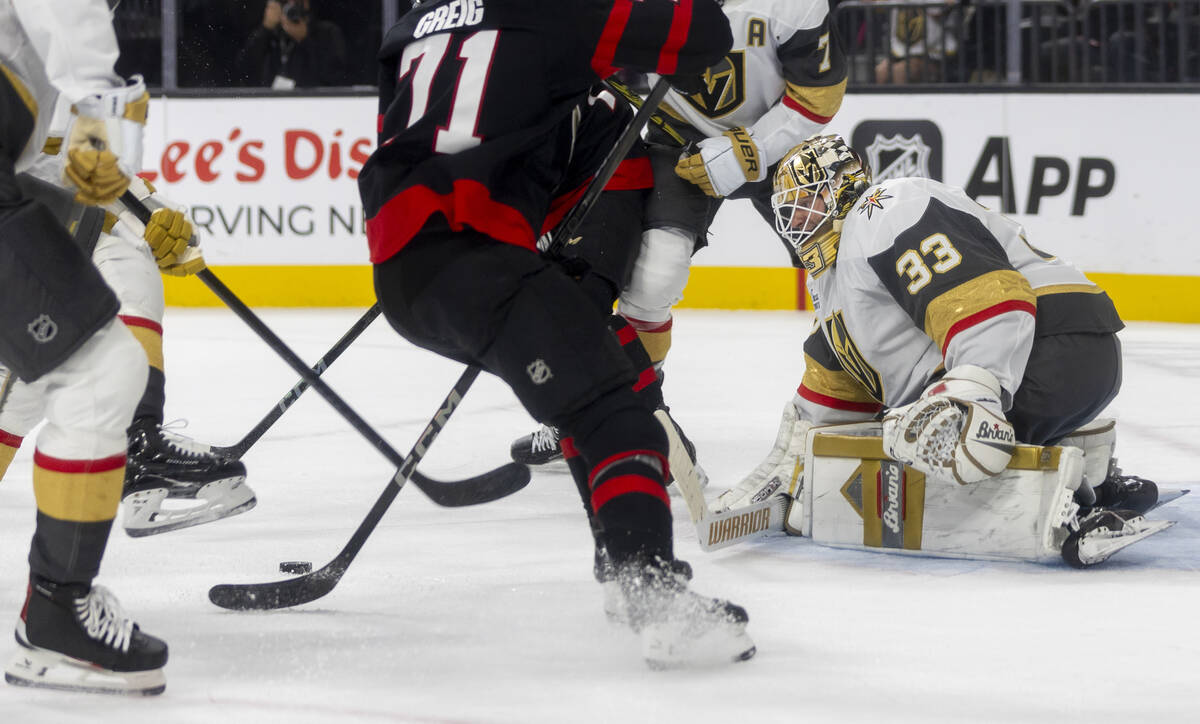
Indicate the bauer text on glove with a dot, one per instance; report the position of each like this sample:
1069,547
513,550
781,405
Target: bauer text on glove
723,163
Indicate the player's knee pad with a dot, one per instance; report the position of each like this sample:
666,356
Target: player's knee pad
659,275
1098,441
91,397
130,270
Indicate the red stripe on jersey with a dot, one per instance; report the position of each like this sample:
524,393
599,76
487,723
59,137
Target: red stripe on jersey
379,123
614,27
633,173
626,334
149,324
643,326
836,403
681,20
9,439
627,485
1011,305
646,378
790,103
58,465
568,448
469,204
560,205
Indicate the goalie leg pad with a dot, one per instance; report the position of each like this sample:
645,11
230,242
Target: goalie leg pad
856,497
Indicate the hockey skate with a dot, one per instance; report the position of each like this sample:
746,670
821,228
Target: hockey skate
1102,533
1125,492
172,482
680,628
537,448
76,637
615,607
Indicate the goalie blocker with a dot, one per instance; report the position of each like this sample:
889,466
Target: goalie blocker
851,495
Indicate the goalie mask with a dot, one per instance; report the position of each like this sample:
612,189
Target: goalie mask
816,185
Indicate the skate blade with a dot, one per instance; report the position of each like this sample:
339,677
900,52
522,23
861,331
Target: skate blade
663,649
41,669
145,515
1099,547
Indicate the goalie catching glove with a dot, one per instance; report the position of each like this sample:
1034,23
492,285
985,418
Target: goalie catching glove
104,142
723,163
956,430
169,233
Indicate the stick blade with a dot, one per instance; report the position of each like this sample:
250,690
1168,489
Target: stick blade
492,485
277,594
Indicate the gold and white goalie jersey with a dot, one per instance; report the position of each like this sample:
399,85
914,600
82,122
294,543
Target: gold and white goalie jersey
924,279
784,78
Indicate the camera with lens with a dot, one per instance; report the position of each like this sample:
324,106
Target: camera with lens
295,12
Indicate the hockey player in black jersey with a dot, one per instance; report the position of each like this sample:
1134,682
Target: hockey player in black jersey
478,122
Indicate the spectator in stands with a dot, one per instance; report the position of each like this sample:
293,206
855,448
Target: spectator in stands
293,49
921,41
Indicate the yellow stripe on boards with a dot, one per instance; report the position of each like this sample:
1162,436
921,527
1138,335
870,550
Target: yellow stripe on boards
1152,298
1137,296
278,286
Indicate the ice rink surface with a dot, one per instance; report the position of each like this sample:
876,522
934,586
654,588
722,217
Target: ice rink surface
490,614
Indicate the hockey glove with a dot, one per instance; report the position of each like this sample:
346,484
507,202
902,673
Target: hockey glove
723,163
169,233
956,430
104,142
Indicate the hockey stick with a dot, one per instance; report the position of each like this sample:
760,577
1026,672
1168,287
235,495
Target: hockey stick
627,93
485,488
570,223
238,449
717,530
311,586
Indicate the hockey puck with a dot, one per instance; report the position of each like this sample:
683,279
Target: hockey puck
296,567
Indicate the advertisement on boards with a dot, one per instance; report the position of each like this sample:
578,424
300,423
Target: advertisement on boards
272,181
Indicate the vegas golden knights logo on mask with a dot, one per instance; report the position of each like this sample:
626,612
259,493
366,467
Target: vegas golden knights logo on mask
725,86
852,360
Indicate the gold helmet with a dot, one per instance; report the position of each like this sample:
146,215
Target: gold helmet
816,184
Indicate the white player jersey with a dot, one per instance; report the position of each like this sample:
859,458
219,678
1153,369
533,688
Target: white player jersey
926,279
53,46
785,58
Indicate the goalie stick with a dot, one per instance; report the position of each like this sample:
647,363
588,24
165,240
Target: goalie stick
718,530
311,586
499,483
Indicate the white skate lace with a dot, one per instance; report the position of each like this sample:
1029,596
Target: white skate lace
545,438
180,442
103,618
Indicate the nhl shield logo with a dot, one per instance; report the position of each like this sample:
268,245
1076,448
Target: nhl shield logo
899,157
538,371
42,329
900,148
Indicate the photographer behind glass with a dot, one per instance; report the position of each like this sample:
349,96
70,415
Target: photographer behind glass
293,49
